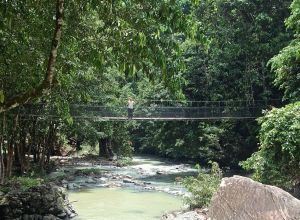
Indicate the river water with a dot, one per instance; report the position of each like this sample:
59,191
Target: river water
131,202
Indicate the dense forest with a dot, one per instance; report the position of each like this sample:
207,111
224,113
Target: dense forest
58,53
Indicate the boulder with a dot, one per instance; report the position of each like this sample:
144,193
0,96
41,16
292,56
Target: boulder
241,198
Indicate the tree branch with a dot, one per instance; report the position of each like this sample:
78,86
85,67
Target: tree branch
45,87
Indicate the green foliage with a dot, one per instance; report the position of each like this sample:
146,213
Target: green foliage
114,49
124,161
97,36
57,177
203,186
287,63
278,159
243,36
20,183
105,47
216,141
229,63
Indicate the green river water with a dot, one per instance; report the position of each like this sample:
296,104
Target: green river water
122,204
131,203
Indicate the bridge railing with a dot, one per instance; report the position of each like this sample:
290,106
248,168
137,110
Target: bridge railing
159,109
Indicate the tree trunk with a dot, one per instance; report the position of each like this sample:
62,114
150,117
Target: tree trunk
43,152
34,145
2,165
105,148
31,141
21,147
10,148
48,143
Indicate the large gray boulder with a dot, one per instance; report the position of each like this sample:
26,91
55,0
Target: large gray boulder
241,198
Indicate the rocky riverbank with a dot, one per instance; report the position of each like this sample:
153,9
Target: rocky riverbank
49,201
44,202
142,175
237,197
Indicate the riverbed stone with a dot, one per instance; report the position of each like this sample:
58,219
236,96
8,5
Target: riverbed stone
102,180
149,188
64,182
91,181
49,217
242,198
189,215
126,180
114,185
72,186
43,202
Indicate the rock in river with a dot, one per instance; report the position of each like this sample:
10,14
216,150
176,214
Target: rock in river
190,215
127,180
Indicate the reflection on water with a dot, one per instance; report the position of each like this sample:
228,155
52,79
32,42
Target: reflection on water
122,204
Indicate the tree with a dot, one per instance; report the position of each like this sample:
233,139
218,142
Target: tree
129,36
277,161
101,42
230,63
287,63
7,103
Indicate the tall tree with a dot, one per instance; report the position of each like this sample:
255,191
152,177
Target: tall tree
10,9
128,35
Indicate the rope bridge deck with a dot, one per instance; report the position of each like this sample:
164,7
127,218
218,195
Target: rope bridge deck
157,110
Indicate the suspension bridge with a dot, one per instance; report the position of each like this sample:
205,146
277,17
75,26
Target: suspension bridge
155,110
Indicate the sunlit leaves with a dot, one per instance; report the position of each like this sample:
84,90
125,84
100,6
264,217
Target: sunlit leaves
287,63
203,186
278,159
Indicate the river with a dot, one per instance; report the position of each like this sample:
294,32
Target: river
132,201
